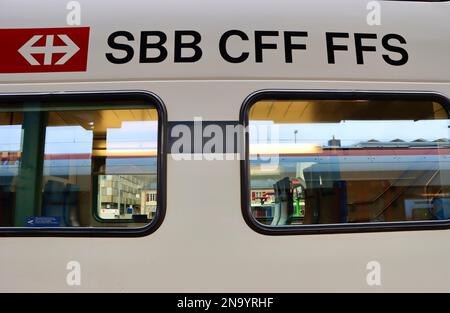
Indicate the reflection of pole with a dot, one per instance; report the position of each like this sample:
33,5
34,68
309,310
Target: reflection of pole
119,194
295,136
29,180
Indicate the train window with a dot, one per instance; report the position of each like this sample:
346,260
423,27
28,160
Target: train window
347,162
77,163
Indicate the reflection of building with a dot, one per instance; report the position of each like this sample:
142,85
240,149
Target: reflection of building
126,195
148,203
334,143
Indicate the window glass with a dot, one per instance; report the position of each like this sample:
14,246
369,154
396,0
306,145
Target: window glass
78,164
348,161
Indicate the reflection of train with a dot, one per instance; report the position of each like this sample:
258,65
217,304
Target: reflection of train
405,179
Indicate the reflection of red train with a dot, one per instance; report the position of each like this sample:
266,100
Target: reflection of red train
261,195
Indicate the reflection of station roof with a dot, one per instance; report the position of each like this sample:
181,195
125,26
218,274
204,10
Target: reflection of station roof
399,143
395,143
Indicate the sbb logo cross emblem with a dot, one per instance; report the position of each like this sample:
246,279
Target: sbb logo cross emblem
44,50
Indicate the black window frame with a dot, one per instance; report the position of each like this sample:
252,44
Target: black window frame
294,94
154,102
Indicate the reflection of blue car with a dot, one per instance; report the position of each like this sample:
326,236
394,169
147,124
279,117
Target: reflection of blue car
442,208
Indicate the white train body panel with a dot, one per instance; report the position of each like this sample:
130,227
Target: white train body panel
204,244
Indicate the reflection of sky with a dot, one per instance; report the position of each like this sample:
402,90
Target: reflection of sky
10,137
133,135
76,139
68,139
352,132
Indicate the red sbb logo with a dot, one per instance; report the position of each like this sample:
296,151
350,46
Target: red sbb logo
38,50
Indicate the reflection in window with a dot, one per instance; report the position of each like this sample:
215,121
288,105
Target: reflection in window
349,161
72,166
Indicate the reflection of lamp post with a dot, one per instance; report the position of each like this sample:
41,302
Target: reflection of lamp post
295,136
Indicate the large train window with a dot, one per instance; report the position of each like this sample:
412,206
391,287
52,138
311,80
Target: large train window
72,163
325,162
